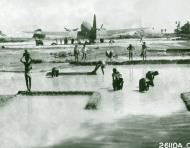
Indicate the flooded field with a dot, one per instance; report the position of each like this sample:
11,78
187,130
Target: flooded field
125,118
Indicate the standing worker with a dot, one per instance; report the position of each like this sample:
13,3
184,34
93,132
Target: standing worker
144,49
130,48
76,53
28,66
72,41
84,51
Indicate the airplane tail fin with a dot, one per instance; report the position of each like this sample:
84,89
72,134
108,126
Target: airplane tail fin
92,35
94,22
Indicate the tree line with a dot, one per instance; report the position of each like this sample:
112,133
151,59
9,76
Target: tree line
183,31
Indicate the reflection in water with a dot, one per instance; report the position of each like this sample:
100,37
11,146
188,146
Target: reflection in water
29,101
131,73
144,71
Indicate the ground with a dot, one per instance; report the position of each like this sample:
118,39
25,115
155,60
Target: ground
55,55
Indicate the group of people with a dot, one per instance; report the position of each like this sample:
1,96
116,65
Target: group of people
117,79
144,83
143,54
77,52
110,54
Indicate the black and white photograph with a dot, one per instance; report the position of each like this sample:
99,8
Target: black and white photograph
94,73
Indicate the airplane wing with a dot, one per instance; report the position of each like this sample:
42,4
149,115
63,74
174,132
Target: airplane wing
67,29
76,29
117,32
56,34
65,34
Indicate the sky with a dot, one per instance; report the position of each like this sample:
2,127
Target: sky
54,15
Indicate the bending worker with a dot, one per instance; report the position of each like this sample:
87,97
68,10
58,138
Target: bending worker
117,80
150,77
101,64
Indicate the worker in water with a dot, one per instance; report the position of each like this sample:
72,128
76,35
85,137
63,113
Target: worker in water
54,72
27,61
130,48
99,64
84,53
117,80
144,50
76,53
143,85
150,77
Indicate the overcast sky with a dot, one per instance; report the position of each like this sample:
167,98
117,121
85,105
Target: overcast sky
54,15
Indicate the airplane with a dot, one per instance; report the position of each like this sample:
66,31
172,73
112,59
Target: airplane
93,33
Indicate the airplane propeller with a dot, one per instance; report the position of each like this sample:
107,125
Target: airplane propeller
101,28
